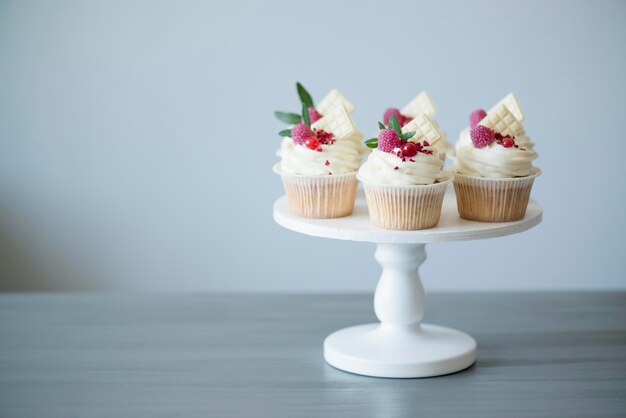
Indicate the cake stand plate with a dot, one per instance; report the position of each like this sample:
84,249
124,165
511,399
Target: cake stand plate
400,345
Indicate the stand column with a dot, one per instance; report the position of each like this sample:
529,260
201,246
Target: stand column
399,298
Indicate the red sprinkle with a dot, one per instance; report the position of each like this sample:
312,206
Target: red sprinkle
411,160
312,143
326,163
395,168
507,141
409,149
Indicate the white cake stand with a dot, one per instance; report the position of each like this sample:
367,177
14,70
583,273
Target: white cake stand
400,345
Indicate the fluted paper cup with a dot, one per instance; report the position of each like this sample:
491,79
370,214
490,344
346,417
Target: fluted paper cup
406,208
493,200
327,196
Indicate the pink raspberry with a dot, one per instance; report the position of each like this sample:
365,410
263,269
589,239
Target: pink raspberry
314,115
482,136
476,116
392,111
388,140
404,120
301,133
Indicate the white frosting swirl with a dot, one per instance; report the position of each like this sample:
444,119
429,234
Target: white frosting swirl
494,161
387,168
344,156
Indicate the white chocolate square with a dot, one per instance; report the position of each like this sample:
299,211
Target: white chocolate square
333,100
424,129
338,122
502,120
510,101
420,104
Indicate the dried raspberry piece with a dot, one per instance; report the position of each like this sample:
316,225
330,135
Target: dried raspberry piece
326,138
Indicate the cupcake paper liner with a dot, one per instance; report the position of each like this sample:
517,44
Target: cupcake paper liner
405,208
321,197
493,200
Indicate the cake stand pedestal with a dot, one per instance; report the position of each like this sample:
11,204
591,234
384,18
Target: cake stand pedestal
400,345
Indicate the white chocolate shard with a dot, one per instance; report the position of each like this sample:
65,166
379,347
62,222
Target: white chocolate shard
424,129
420,104
333,100
503,121
338,122
510,101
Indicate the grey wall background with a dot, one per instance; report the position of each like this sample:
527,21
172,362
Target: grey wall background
137,138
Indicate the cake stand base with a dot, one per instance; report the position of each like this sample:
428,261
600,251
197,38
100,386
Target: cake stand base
400,345
383,350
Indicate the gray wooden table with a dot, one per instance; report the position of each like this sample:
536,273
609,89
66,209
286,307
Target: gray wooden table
72,355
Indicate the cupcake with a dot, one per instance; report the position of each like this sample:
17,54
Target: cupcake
403,179
493,166
421,104
316,112
319,162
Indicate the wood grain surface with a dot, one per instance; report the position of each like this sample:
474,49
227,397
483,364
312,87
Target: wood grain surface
87,355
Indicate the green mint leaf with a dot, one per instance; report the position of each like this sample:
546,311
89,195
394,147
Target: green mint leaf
381,125
285,132
305,97
305,115
289,118
407,135
395,125
372,143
